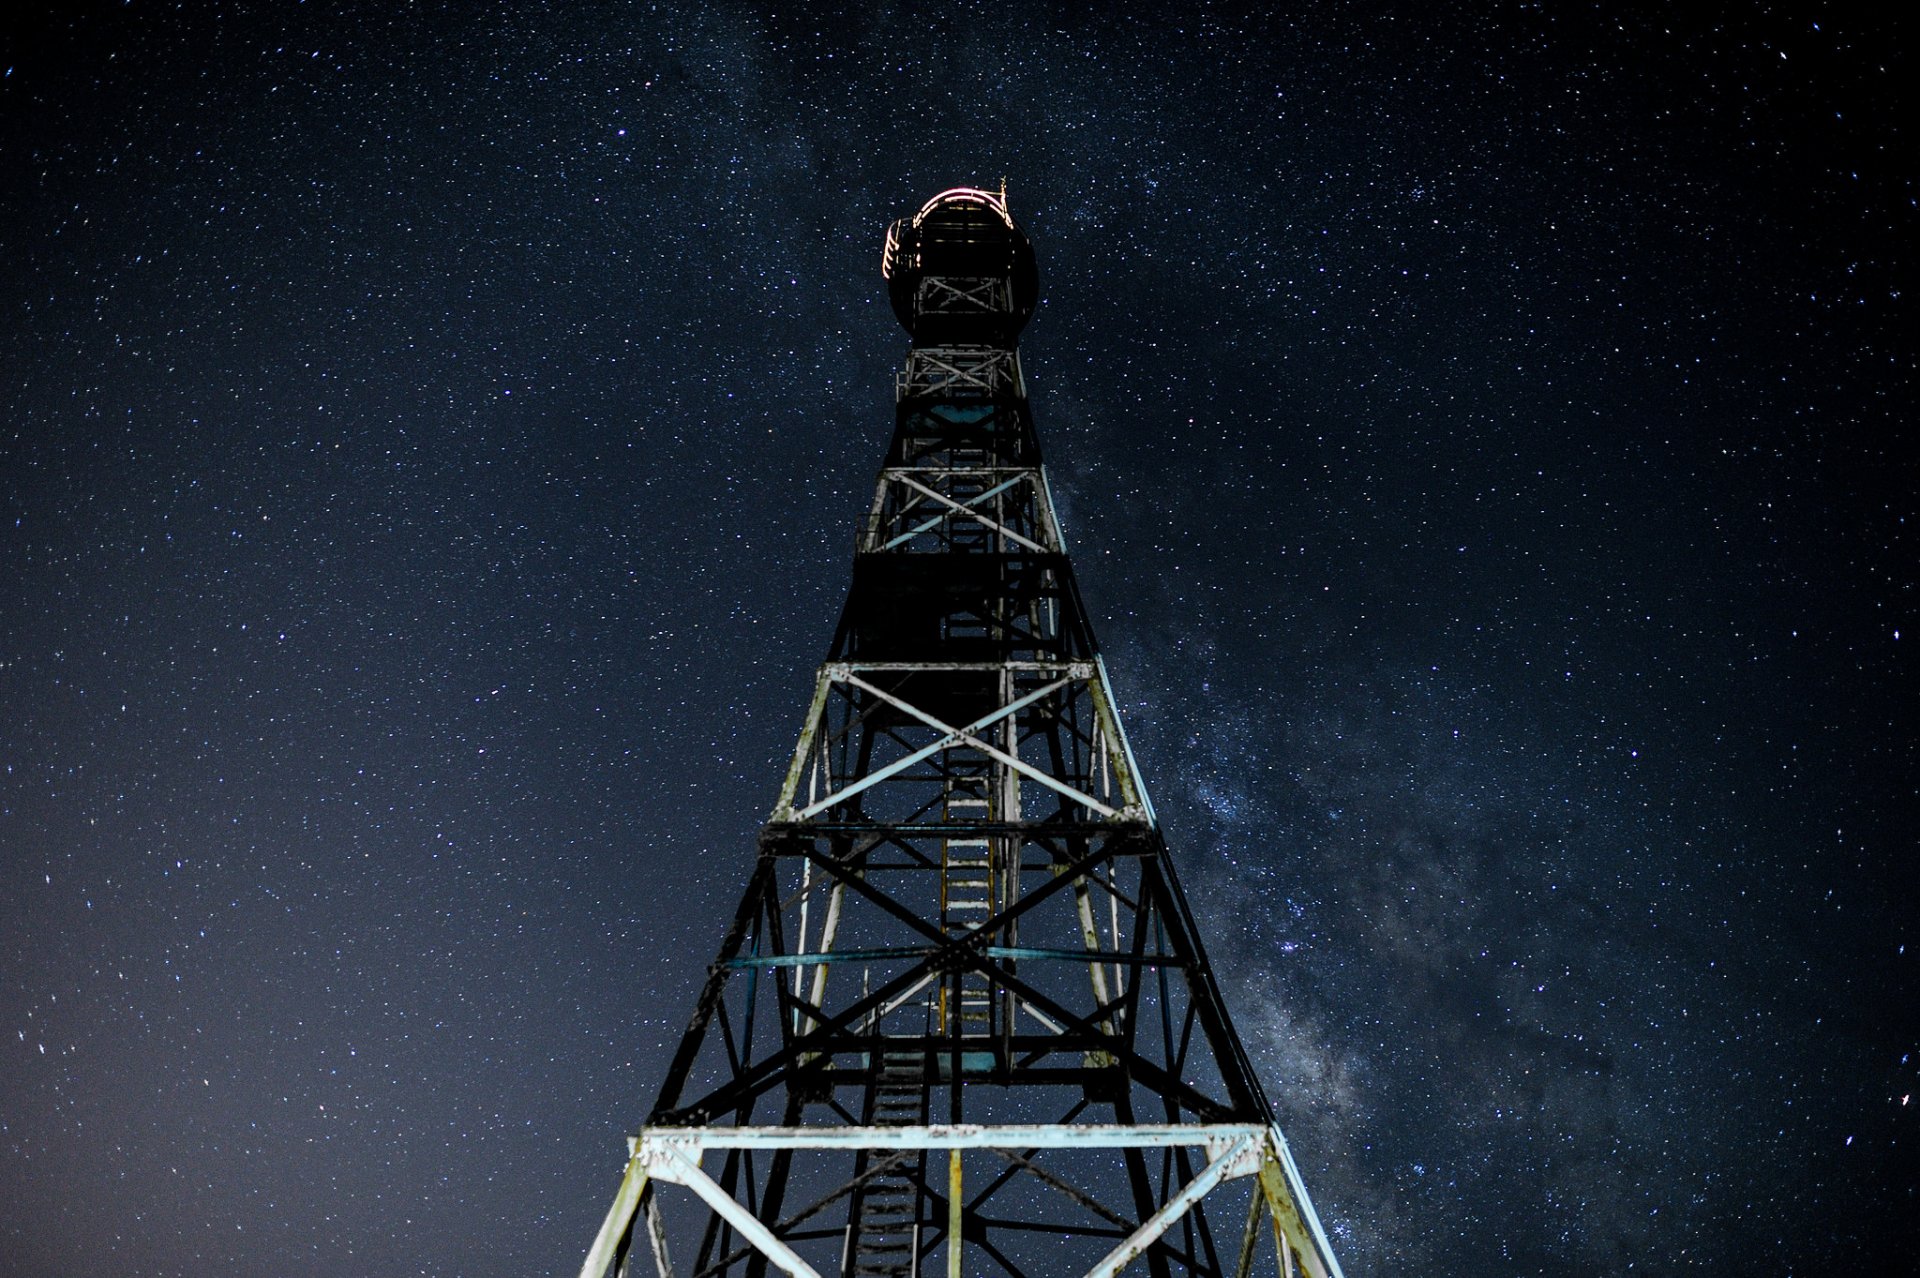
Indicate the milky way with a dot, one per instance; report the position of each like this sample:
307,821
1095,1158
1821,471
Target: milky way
432,446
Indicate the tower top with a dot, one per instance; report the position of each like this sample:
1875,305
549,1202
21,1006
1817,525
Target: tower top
961,271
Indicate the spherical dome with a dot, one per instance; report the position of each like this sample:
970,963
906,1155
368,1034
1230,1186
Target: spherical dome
961,270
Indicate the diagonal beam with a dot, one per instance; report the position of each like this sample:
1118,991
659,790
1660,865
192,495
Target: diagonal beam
677,1167
945,500
619,1219
1295,1223
948,946
968,949
797,768
1047,1178
765,1072
1157,881
880,1168
711,992
930,524
925,752
1104,709
657,1235
993,752
1251,1236
1228,1161
1142,1070
1160,1079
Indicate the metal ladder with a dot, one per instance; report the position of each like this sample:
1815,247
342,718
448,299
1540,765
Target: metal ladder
967,899
884,1235
968,479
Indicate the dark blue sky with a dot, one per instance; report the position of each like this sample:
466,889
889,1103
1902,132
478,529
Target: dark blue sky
431,443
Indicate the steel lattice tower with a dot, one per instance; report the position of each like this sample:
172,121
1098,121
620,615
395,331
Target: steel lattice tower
962,1018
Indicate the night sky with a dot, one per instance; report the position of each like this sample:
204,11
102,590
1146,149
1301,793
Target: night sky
431,446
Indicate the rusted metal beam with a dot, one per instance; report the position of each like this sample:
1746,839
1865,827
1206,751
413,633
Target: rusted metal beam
670,1164
1231,1161
619,1217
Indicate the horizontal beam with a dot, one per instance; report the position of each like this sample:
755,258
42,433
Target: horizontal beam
828,957
1017,1056
1090,956
1041,832
1222,1136
1066,669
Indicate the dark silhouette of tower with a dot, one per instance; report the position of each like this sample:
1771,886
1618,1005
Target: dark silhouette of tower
962,1019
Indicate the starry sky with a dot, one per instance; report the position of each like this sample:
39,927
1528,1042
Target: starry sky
431,445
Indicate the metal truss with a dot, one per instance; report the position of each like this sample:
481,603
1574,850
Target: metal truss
960,295
1067,700
960,373
1229,1152
962,1012
932,508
